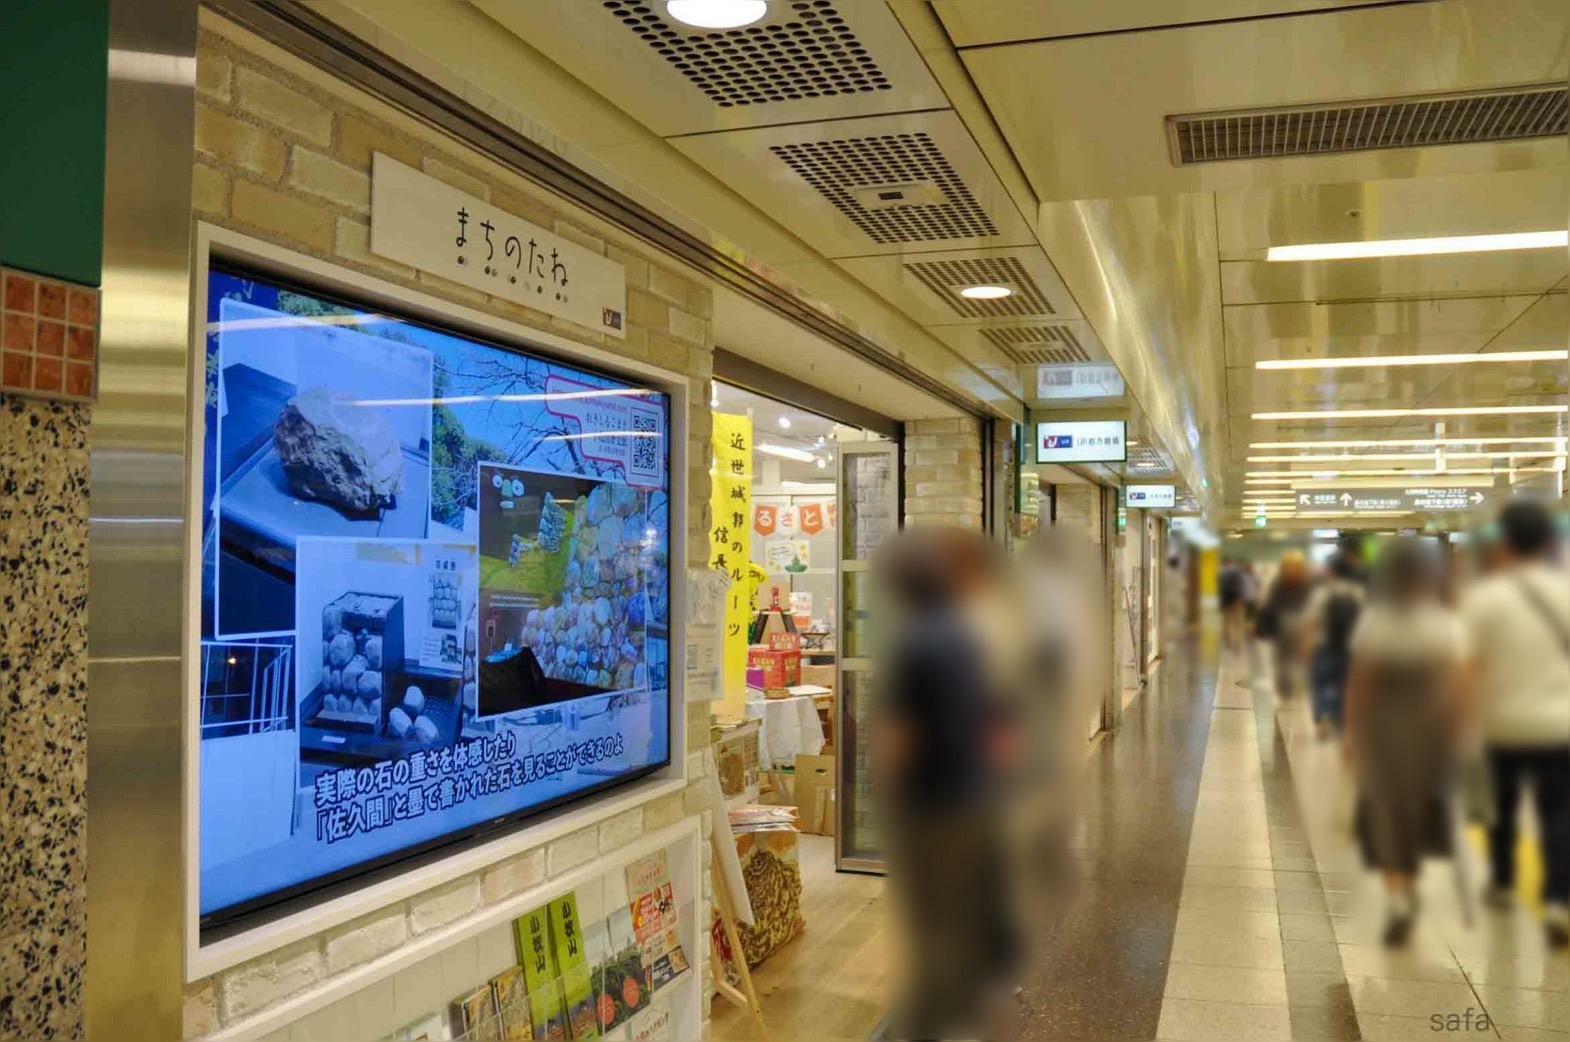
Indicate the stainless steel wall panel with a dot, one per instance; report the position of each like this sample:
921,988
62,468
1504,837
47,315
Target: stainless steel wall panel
137,609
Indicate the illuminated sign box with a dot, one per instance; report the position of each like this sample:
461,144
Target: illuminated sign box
1150,496
1091,441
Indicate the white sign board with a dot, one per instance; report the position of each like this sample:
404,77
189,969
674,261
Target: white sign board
1091,441
430,225
1150,496
1080,380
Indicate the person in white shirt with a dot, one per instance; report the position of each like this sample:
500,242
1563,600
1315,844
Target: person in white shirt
1518,618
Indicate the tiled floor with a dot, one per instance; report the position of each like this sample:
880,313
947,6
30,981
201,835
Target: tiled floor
1224,899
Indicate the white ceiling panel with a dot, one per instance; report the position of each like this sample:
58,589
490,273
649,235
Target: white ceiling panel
806,60
1452,275
876,185
1085,115
999,21
926,285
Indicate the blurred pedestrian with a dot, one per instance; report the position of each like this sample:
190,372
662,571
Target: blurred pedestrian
1405,699
1230,588
1280,619
945,741
1519,620
1331,616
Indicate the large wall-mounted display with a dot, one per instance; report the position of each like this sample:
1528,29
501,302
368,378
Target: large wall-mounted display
435,589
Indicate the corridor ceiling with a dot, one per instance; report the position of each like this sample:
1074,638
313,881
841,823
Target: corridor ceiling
913,148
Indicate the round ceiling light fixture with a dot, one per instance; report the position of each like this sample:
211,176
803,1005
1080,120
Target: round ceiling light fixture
784,423
986,292
717,14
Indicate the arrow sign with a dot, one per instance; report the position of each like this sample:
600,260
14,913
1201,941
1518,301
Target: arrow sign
1410,499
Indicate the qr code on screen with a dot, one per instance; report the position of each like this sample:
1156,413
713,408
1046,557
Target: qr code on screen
645,445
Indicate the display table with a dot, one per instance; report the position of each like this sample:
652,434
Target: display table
790,727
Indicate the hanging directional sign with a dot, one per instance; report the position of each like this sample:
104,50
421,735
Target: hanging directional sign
1409,500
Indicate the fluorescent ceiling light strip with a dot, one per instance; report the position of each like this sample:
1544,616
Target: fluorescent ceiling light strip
1319,251
1363,472
1392,414
1397,456
1315,443
1373,361
1355,513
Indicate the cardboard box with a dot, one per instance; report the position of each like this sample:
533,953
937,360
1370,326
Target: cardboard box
823,676
814,789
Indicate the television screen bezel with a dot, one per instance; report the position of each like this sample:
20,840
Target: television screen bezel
226,936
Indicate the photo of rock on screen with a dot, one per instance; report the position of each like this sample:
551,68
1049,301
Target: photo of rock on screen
435,589
563,603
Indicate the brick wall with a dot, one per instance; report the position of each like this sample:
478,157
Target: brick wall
284,154
943,472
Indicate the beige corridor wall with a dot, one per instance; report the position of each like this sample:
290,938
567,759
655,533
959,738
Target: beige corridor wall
943,472
284,154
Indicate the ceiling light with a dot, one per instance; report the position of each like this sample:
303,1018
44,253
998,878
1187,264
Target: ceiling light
1371,361
986,292
1396,457
786,452
1391,414
1556,440
823,464
717,14
784,423
1317,251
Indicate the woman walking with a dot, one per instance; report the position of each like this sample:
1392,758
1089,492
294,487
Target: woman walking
1404,708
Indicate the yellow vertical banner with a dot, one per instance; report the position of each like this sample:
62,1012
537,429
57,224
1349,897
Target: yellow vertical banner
730,548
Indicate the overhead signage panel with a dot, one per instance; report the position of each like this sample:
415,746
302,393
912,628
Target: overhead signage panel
1079,380
1408,500
1151,496
1090,441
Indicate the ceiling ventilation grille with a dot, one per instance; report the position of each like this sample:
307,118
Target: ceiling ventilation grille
840,169
805,51
947,277
1038,345
1439,119
1148,460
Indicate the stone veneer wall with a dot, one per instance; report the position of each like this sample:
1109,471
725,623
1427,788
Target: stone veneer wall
43,704
284,154
943,472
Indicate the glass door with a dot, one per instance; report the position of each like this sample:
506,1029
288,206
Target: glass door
869,503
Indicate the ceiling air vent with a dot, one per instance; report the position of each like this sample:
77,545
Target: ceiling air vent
805,50
947,277
1038,345
852,172
1435,119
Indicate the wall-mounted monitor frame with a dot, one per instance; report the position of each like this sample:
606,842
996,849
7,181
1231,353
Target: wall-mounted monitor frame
343,897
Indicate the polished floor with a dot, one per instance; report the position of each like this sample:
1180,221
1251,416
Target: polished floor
1219,898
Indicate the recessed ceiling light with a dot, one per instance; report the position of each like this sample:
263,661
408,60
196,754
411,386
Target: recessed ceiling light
717,14
1391,414
986,292
1316,251
823,464
784,423
1371,361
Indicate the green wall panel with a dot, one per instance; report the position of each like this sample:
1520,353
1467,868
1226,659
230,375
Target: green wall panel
53,79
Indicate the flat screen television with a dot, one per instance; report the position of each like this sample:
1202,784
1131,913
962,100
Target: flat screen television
435,591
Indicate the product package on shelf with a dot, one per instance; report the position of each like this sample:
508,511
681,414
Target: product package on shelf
769,848
655,918
653,1024
617,975
475,1016
540,974
512,1005
572,964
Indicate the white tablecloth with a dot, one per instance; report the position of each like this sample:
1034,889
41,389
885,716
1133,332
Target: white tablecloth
790,726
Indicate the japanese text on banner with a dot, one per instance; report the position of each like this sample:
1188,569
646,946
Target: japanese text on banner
730,545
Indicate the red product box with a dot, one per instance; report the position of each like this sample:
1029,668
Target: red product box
780,669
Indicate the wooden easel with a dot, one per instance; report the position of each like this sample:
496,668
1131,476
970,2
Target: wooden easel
745,997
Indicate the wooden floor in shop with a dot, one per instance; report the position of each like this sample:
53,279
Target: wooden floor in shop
830,982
